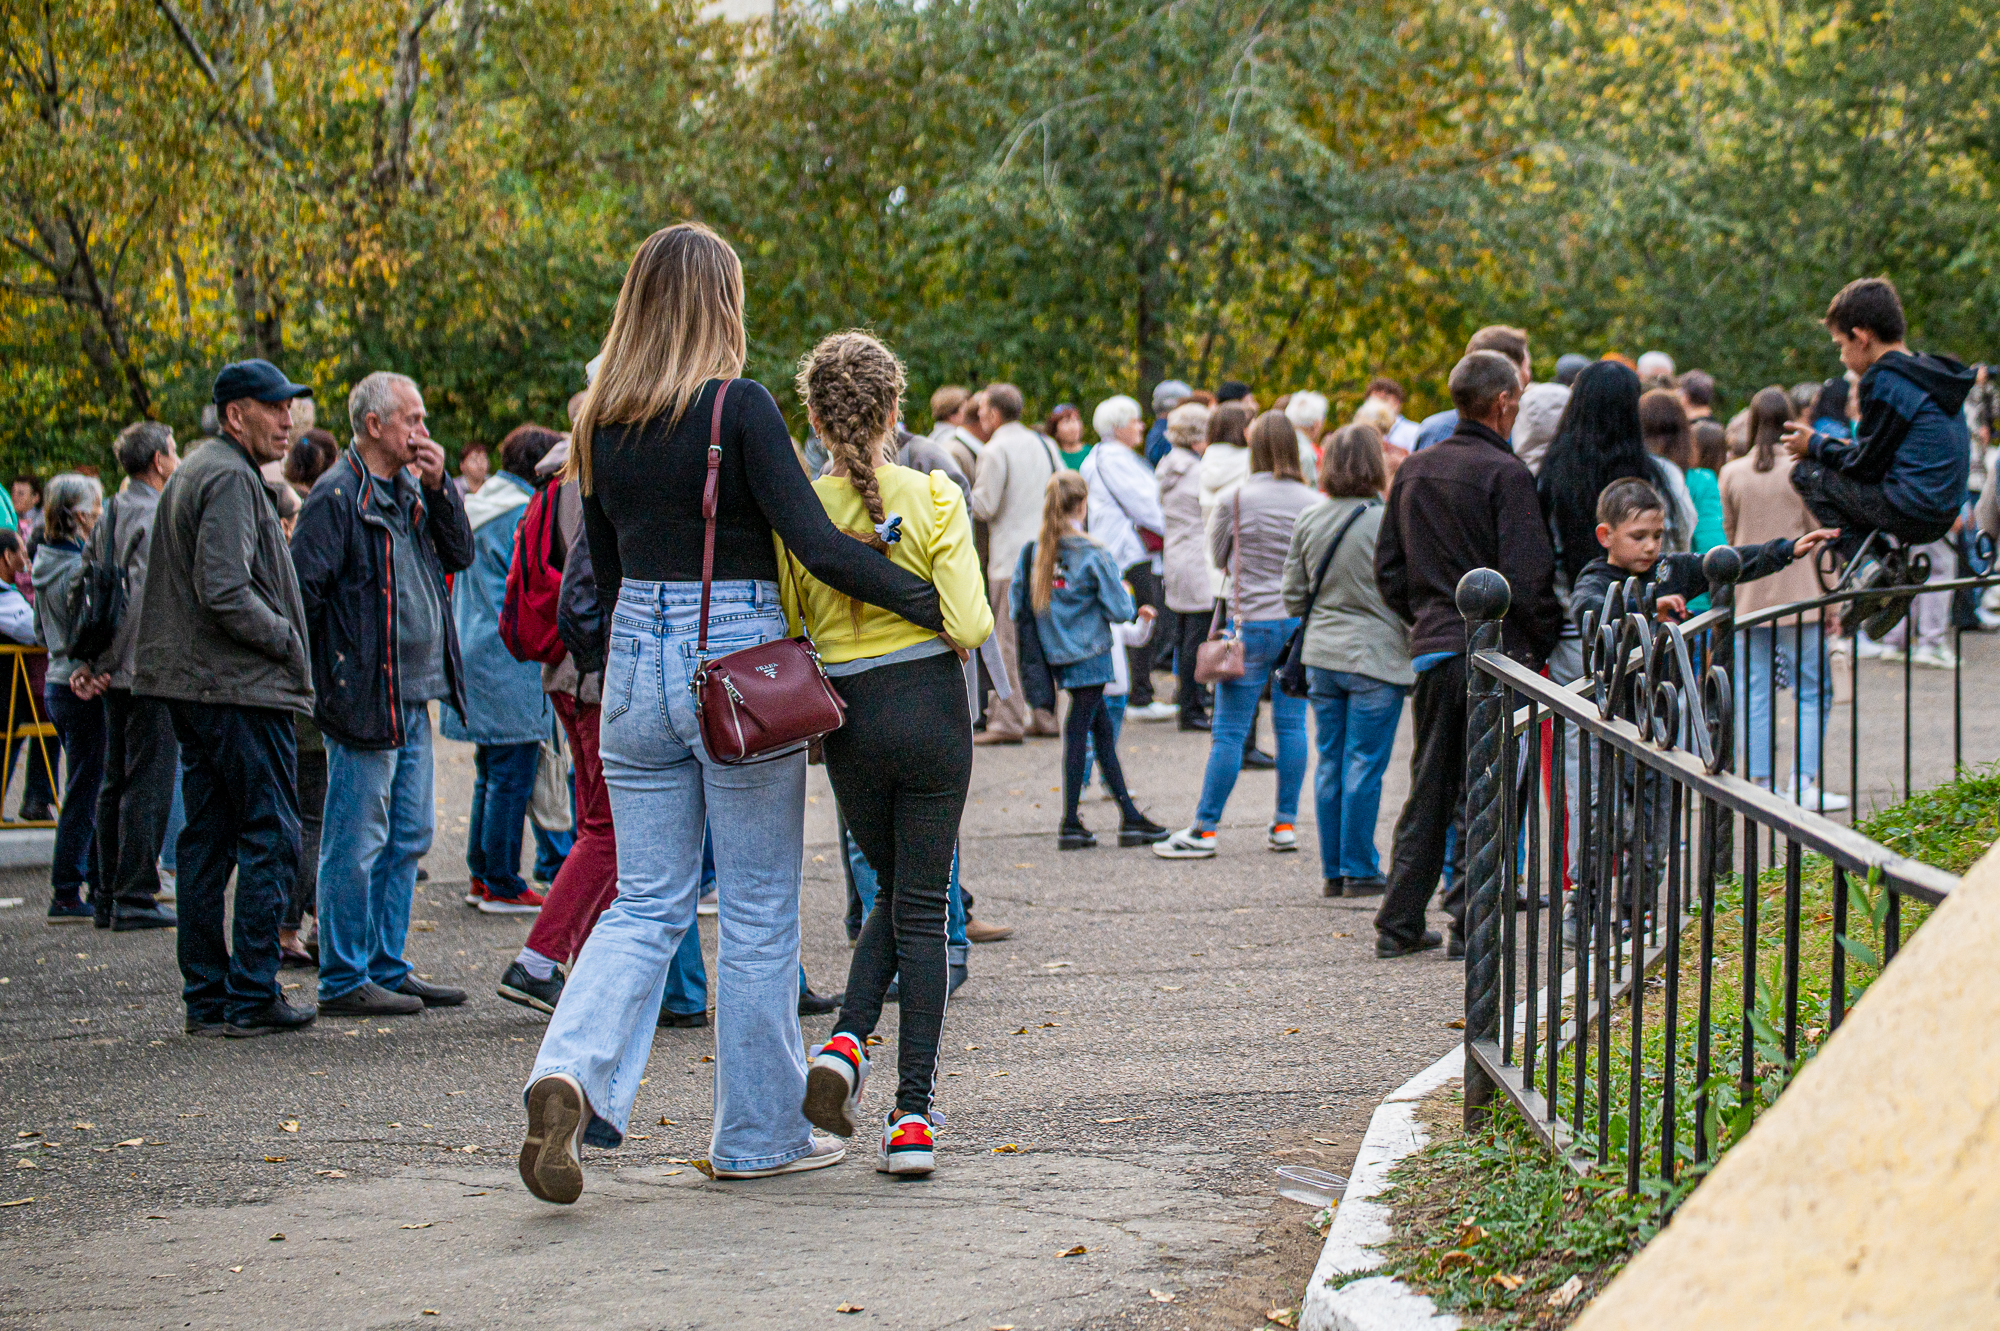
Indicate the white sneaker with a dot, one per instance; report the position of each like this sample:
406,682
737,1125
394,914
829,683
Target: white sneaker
1868,649
825,1151
1186,844
835,1081
1153,711
707,905
1934,657
1820,801
907,1146
1282,836
168,882
1889,654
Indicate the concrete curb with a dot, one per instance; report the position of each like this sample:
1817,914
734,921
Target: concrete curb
27,848
1377,1303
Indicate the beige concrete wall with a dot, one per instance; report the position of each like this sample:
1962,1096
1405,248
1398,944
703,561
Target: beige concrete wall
1869,1195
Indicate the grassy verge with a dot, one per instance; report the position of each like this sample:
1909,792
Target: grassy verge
1499,1231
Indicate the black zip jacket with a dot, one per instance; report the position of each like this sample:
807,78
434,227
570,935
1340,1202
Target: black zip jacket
1674,575
347,575
1911,439
1463,504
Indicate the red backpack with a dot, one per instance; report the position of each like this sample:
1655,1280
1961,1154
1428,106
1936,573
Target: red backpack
534,583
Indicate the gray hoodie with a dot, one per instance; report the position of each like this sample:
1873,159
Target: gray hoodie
57,564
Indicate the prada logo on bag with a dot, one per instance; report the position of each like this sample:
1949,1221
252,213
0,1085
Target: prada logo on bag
768,671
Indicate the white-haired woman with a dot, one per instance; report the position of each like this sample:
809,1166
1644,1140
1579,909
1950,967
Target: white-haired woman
71,504
640,454
1184,581
1125,518
1306,410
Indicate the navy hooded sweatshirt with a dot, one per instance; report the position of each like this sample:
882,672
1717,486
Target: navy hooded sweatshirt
1911,439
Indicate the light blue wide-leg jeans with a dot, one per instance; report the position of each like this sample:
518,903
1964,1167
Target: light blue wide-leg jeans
663,788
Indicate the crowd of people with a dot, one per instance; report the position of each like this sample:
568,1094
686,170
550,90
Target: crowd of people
246,648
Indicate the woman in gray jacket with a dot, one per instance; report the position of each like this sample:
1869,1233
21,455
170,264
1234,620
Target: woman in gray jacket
71,505
1184,572
1357,655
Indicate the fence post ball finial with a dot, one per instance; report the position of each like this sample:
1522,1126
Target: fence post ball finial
1723,566
1483,594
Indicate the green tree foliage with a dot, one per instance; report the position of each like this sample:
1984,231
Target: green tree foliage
1080,197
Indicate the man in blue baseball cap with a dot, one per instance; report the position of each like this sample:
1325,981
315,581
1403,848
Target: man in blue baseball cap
222,640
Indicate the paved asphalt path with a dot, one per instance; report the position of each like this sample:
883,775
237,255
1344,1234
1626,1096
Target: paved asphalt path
1124,1074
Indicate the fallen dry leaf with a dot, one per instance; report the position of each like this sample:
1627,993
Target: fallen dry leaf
1056,965
331,1173
1047,1024
80,1127
276,1159
1022,1031
1326,1141
1469,1234
25,1163
847,1308
1282,1316
708,1058
235,1268
430,1312
1566,1293
671,1172
637,1137
277,1238
1122,1119
666,1122
1008,1149
1343,935
999,1074
289,1125
131,1141
1453,1260
1508,1283
1291,1030
1160,1296
1456,1024
425,1225
27,1134
468,1150
1078,1251
20,1201
1173,988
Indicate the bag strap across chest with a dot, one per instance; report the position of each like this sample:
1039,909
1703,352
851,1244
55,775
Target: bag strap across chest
708,503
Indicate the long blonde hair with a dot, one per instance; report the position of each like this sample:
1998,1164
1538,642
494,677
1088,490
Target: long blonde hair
1065,494
679,323
851,385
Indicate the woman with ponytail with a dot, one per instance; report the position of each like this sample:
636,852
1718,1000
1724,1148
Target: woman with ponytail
901,765
1068,585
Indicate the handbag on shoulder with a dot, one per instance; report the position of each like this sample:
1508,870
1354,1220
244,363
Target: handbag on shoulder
1220,659
1292,677
762,702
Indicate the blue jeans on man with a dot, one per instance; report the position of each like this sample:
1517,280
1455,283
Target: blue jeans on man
1354,721
378,823
503,782
239,778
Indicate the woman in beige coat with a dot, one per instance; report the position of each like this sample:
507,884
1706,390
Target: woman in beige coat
1184,560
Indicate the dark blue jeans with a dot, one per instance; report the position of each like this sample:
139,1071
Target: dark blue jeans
239,778
80,727
502,784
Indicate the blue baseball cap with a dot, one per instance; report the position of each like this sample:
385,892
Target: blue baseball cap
257,379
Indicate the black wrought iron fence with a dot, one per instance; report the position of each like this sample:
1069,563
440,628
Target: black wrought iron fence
1586,935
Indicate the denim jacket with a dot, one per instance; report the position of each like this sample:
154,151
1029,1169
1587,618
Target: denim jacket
1089,597
504,702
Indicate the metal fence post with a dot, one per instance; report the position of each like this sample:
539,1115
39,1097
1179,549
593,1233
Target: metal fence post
1483,597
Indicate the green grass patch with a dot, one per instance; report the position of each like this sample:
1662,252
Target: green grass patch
1491,1225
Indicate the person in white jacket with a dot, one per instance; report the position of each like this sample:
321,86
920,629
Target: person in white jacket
1124,516
1223,467
1014,471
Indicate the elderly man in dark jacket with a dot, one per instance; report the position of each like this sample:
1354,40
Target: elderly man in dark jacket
1466,503
372,547
222,639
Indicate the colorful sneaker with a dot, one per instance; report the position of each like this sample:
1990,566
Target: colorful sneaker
1186,844
835,1079
529,902
907,1147
475,892
1282,836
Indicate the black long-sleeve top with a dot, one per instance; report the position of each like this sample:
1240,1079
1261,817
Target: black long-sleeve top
1674,575
643,515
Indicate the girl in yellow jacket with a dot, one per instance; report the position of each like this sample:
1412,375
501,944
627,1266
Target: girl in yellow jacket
901,765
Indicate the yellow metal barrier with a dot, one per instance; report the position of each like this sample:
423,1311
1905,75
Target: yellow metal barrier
26,721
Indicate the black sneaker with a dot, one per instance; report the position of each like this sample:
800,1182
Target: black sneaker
687,1021
371,1000
124,919
1388,948
1196,723
275,1016
1256,760
1454,949
517,986
71,910
1075,836
818,1005
431,995
208,1026
1332,887
1363,887
1141,831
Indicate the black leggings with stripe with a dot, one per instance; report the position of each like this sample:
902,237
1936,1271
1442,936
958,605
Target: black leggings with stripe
900,768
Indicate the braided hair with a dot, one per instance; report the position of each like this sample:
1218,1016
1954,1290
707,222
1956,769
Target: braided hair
852,384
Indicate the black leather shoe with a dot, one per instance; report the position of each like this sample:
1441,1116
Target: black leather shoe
275,1016
210,1026
1455,949
517,986
432,995
1259,761
1332,887
1387,947
683,1020
371,1000
818,1005
1363,887
1141,832
155,916
1075,836
1196,723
